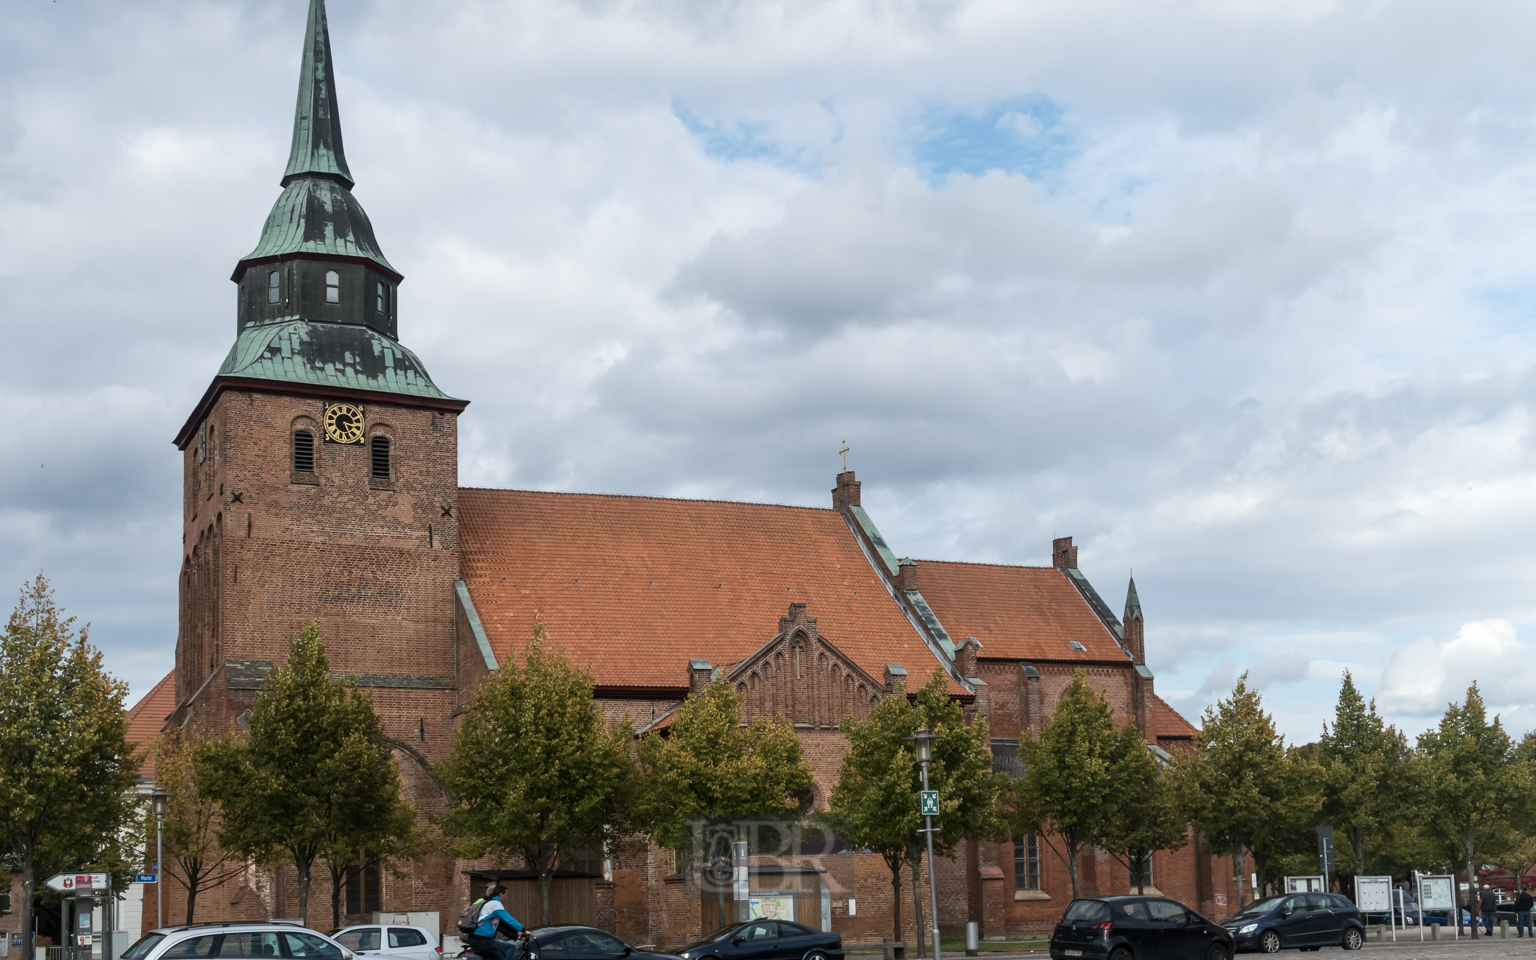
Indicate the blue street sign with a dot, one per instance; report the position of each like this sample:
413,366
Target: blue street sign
145,878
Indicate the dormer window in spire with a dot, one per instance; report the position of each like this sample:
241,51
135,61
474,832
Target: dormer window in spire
381,296
332,286
273,279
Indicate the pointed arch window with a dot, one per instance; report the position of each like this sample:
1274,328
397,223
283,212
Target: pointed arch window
274,278
332,286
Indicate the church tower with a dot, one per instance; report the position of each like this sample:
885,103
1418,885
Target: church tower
321,465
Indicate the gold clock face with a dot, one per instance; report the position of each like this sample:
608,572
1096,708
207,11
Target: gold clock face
344,423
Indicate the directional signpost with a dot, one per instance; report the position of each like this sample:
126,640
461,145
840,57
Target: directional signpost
82,888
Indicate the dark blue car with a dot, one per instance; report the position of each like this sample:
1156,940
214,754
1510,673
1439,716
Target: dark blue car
1302,921
766,940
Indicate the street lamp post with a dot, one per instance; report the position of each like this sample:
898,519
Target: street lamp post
157,798
923,741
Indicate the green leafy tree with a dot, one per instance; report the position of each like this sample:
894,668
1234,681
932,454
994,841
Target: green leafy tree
1363,761
1475,784
1147,817
315,767
66,770
1229,782
535,770
875,803
190,827
1290,829
1074,775
710,769
395,838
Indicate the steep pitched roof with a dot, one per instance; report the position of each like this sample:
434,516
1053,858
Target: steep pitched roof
1168,723
635,586
1018,613
317,148
146,718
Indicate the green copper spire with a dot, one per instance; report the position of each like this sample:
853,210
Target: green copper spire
317,149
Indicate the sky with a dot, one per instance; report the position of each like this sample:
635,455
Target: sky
1237,294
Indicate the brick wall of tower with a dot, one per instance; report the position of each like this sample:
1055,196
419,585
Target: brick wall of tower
267,550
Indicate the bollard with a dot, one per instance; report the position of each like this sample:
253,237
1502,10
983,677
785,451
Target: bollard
972,938
1434,931
1503,929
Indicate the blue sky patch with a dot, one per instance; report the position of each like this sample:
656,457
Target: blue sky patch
731,141
1025,135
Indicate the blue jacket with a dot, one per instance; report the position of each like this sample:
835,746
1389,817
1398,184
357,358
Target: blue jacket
490,912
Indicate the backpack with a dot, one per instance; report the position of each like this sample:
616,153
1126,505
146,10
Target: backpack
469,920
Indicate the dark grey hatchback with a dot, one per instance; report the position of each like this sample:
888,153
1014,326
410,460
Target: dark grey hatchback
1305,921
1137,928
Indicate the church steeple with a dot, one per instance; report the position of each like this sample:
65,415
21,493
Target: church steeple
1134,625
317,149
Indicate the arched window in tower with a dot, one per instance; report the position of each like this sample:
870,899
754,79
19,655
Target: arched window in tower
332,286
274,277
303,451
380,457
381,297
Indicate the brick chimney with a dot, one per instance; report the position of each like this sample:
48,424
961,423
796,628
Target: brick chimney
895,676
1063,554
965,657
906,574
846,493
699,672
1142,694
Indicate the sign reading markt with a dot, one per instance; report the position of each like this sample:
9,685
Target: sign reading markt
928,802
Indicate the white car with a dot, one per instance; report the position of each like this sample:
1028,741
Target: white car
390,940
237,941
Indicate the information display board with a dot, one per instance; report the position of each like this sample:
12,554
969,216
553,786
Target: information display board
1373,894
1438,893
1304,884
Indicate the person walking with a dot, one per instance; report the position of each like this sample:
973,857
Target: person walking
1523,904
1488,905
495,919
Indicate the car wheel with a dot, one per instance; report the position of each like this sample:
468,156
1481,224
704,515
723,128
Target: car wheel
1120,953
815,955
1269,942
1353,940
1217,952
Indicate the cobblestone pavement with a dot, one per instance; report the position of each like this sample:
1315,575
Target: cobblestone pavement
1407,947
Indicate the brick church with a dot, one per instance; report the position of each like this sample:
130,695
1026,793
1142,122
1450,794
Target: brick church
321,481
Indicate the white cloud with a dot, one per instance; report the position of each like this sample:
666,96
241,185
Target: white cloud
1423,676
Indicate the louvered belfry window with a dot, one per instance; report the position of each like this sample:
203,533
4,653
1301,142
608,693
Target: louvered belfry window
303,451
381,458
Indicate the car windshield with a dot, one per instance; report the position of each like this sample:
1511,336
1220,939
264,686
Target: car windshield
1091,910
1261,906
721,934
141,949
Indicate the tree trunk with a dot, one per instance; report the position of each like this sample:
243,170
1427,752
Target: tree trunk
338,880
1237,870
544,881
896,901
29,851
303,869
1469,843
917,901
191,898
1074,851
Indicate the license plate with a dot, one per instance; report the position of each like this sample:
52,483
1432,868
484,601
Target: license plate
1071,953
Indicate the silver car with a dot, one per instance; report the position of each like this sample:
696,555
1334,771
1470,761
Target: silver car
240,940
390,941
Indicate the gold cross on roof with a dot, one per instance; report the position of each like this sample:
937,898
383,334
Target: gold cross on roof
844,452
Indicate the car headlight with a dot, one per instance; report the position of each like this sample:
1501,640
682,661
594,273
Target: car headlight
1247,928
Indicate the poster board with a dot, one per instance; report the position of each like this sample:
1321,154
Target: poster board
1438,893
1304,884
772,906
1373,894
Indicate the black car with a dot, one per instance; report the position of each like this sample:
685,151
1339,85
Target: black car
1137,928
765,940
1307,921
579,943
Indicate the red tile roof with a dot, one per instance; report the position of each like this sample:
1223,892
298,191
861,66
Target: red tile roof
1168,723
147,717
635,586
1018,613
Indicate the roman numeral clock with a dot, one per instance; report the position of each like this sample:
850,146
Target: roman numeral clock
343,423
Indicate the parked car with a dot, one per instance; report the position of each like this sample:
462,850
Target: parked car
765,940
1307,921
579,943
237,941
1137,928
391,941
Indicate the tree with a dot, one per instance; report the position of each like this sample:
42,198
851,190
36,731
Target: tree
1074,775
1229,781
66,770
394,838
191,817
1296,798
535,769
1475,783
875,804
314,771
1363,761
709,768
1147,817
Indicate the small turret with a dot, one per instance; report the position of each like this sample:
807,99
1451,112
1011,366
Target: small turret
1135,627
